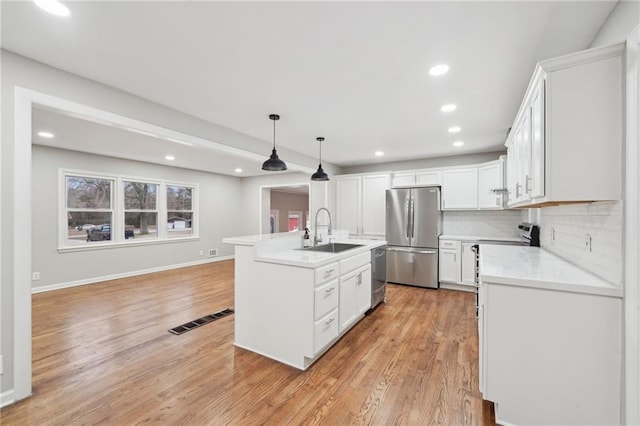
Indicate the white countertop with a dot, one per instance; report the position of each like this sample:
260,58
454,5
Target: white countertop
284,248
537,268
478,238
315,259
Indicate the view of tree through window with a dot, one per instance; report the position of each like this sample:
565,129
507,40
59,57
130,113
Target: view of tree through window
140,205
89,209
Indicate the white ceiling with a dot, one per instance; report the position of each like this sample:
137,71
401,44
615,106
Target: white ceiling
353,72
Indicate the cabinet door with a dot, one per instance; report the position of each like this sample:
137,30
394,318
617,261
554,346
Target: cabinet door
489,181
536,182
460,189
404,179
373,204
524,157
429,178
348,204
449,266
512,161
364,291
468,265
348,301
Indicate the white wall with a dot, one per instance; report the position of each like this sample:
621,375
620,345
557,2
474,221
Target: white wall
218,208
571,224
503,223
621,21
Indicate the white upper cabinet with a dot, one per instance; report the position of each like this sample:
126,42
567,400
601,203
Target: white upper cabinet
360,203
424,177
460,189
566,142
490,185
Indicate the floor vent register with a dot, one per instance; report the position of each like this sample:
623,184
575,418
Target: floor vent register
201,321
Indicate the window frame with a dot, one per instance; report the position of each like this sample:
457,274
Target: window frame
125,210
118,211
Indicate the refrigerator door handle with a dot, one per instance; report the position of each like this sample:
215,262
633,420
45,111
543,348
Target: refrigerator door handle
411,213
409,218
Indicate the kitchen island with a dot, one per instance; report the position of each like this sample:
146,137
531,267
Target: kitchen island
293,304
550,339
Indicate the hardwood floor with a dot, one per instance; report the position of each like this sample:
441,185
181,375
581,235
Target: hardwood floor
102,355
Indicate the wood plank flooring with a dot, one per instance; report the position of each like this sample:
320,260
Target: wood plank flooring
102,355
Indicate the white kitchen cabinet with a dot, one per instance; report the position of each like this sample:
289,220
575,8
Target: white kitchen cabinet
429,177
403,179
491,185
449,261
425,177
467,264
460,189
566,142
361,203
353,288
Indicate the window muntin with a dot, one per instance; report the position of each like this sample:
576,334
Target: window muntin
89,209
179,211
140,210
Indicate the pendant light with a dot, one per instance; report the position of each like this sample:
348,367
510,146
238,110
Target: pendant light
274,164
320,174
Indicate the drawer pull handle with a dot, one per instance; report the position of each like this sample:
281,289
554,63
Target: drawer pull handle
329,321
329,290
329,271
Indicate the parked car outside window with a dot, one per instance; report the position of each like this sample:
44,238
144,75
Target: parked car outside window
84,227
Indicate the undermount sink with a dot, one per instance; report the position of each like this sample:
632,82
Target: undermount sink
332,247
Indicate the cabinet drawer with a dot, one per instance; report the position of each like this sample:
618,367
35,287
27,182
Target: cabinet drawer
354,262
326,273
449,244
325,330
326,299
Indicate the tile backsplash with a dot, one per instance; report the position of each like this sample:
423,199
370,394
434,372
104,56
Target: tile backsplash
564,231
499,223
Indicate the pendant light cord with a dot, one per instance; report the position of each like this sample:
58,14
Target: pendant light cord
274,134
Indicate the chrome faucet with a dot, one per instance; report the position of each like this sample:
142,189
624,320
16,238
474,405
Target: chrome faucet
316,238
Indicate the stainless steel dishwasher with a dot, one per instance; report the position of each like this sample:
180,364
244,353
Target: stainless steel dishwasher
378,275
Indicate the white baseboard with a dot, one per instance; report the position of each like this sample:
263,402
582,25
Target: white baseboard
95,280
6,398
459,287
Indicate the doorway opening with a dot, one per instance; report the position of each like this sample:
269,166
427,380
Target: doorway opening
285,208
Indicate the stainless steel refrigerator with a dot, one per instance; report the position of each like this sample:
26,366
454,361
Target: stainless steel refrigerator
413,224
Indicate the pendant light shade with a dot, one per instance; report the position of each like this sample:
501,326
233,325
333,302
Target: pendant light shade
274,163
320,174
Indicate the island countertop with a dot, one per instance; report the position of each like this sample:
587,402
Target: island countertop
285,249
537,268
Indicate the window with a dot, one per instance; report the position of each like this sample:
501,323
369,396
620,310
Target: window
140,210
112,210
179,211
295,220
89,209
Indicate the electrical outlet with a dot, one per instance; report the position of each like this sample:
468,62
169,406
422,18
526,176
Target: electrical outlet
35,276
201,252
587,242
213,252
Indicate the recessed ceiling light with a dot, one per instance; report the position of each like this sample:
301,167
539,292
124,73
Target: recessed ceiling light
46,135
54,7
454,129
238,170
458,144
379,153
448,108
169,157
439,70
